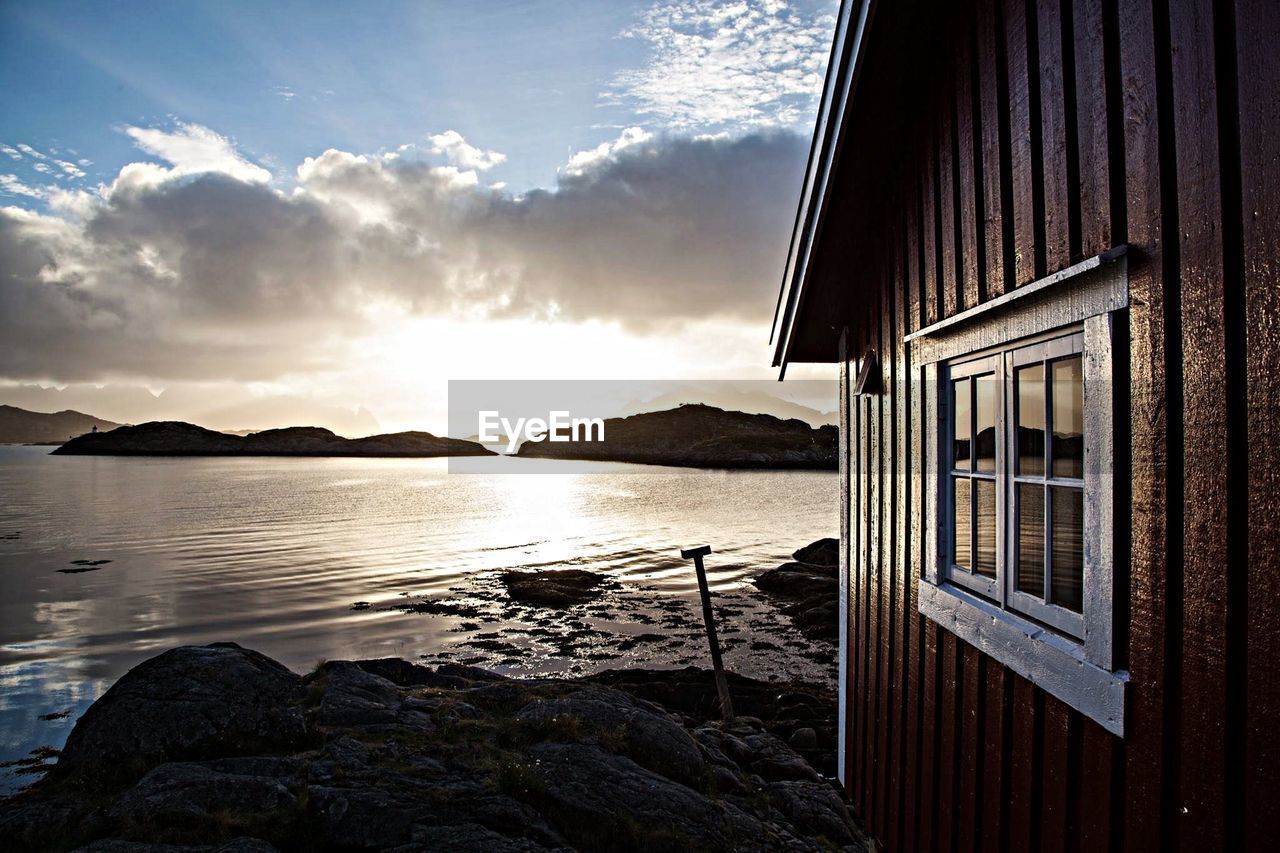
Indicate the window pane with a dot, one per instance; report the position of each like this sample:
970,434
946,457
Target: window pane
1065,574
960,544
1031,539
985,440
985,558
1030,381
960,422
1068,418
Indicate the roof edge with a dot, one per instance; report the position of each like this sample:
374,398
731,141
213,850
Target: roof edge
842,74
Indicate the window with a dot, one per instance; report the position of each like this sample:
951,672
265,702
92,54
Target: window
1021,396
1015,500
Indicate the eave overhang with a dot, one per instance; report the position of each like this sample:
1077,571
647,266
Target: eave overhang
843,69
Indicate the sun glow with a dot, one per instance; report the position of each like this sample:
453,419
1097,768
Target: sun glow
402,371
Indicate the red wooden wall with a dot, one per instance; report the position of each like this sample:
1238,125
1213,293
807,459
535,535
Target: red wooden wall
993,142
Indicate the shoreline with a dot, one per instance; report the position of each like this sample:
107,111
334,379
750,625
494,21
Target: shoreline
622,626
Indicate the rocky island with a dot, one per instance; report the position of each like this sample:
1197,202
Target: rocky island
220,748
700,436
176,438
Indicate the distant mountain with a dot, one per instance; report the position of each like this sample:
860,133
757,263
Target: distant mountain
732,398
223,409
701,436
175,438
1066,448
20,426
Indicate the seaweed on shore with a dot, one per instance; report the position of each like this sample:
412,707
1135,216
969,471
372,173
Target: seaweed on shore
80,566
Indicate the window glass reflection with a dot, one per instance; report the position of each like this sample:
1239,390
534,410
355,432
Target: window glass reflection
1030,440
960,500
985,521
960,423
984,442
1068,418
1066,575
1031,539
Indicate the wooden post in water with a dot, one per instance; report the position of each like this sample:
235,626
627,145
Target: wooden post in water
722,683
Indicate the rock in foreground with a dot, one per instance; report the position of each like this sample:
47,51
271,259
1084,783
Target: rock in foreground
553,588
810,587
194,702
825,553
175,438
220,748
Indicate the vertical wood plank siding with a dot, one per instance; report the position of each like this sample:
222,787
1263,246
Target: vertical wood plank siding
1257,33
1042,132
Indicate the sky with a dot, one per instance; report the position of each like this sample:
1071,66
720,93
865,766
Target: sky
257,214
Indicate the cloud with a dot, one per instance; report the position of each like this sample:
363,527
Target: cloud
665,231
730,64
30,152
205,278
584,161
204,273
458,152
13,153
70,168
11,185
192,149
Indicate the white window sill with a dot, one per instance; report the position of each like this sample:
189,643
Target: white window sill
1051,662
1092,287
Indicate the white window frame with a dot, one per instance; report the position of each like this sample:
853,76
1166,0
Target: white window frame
968,367
1075,665
1002,589
1041,607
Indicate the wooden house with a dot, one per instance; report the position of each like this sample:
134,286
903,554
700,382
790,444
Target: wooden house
1042,240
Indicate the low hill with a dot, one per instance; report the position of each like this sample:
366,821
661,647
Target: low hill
175,438
20,426
701,436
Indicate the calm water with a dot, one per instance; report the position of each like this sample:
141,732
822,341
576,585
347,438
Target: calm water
274,553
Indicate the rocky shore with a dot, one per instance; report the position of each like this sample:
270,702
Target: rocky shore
809,587
220,748
567,621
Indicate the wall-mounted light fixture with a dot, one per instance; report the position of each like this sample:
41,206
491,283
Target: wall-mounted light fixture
868,376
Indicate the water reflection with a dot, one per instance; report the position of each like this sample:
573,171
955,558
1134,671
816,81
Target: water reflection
1067,578
985,534
962,530
272,553
1031,538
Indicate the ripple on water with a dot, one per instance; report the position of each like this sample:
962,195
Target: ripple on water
273,553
